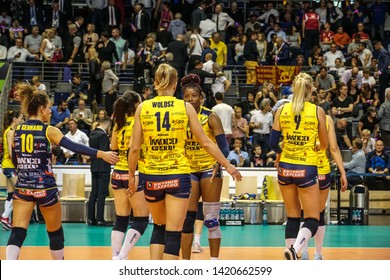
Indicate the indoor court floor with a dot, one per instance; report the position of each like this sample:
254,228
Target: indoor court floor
249,242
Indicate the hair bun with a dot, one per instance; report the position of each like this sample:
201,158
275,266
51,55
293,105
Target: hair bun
190,79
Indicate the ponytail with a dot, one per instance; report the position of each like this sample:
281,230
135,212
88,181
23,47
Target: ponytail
9,118
125,106
302,88
31,99
165,77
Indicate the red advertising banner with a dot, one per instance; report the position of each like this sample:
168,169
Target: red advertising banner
277,75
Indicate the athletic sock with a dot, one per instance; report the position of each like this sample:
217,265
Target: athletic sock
304,236
197,238
12,252
116,242
319,239
289,242
131,239
214,258
8,206
57,254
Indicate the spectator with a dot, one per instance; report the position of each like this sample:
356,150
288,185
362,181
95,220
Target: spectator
248,106
195,48
338,69
95,78
140,24
367,141
19,54
220,48
73,46
322,12
379,14
83,117
365,55
326,37
383,69
251,57
283,54
221,83
109,86
226,113
5,20
357,164
341,39
335,15
323,102
237,157
60,115
343,141
250,24
331,55
369,97
256,160
146,93
236,14
370,80
325,81
270,11
203,75
32,41
100,116
121,47
55,18
35,82
294,41
179,48
353,73
3,53
262,46
89,39
278,31
15,31
166,15
342,107
311,28
33,16
106,48
163,36
384,116
222,21
111,16
241,130
79,90
378,162
177,26
77,136
369,122
198,14
354,92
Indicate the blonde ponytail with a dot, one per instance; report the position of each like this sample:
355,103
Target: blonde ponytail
165,77
302,88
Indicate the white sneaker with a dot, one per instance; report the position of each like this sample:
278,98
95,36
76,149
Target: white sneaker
118,258
318,257
196,248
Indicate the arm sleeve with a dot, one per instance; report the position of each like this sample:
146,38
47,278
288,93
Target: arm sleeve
222,144
77,148
274,141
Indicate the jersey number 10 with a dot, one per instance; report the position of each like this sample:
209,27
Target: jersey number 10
27,143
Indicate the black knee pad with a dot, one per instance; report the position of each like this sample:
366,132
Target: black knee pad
158,234
199,214
292,227
56,239
322,218
172,242
188,226
312,225
302,216
17,237
9,196
121,223
140,224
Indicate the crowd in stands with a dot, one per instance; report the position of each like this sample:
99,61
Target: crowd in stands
345,49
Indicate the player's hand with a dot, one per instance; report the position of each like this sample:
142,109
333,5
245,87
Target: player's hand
234,172
216,168
344,182
110,157
131,187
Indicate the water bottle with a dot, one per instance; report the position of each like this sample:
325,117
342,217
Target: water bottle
222,214
358,217
242,216
227,217
265,216
237,214
265,189
354,217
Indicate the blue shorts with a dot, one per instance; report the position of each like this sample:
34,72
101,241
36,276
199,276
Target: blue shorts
9,172
324,181
197,176
43,198
301,175
120,180
156,186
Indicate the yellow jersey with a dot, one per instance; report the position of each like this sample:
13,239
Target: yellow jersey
323,160
299,135
123,137
7,161
164,123
198,157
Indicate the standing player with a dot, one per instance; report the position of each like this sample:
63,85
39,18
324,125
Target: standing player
161,125
124,110
11,120
324,183
201,165
36,183
301,123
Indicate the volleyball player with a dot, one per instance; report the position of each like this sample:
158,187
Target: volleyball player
324,184
301,124
124,109
36,183
161,125
11,120
201,166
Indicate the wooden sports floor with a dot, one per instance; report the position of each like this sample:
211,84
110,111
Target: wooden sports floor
249,242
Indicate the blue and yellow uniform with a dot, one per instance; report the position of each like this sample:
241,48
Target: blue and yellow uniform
6,163
164,123
120,175
299,158
201,163
32,149
324,166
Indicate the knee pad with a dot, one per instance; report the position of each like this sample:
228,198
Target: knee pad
172,242
121,223
56,239
312,225
9,196
140,224
211,213
158,234
188,226
17,237
302,216
199,214
292,227
322,218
